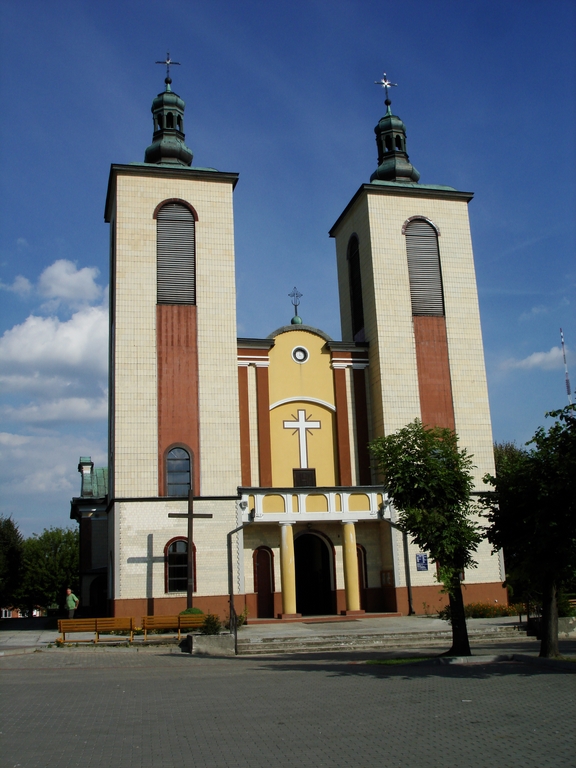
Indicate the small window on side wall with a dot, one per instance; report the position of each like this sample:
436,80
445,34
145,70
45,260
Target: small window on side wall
355,283
178,472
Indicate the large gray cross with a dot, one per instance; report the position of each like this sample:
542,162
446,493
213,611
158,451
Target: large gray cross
190,516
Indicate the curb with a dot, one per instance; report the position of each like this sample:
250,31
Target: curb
520,657
19,651
485,659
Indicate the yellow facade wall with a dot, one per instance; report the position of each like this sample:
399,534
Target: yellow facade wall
307,386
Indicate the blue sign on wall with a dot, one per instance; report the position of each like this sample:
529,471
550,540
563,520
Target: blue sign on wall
421,561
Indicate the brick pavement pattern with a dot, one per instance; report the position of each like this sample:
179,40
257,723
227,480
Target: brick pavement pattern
154,709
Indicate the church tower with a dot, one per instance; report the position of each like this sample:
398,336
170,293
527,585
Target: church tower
174,422
407,286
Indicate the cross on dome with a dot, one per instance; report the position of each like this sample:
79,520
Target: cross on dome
168,63
295,295
385,83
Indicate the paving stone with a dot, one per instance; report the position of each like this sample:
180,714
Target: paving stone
131,709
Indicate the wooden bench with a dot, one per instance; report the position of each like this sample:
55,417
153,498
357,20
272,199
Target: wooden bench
178,623
98,626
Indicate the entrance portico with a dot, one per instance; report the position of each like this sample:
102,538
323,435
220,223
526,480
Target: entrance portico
316,535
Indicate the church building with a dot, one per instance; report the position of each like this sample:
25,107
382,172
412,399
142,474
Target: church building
266,440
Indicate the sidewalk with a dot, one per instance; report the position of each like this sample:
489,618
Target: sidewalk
13,640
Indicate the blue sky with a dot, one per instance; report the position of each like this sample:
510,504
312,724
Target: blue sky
284,94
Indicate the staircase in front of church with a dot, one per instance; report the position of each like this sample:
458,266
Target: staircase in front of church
372,641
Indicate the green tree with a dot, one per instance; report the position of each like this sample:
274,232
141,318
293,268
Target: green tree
505,452
519,581
11,541
50,565
429,479
532,515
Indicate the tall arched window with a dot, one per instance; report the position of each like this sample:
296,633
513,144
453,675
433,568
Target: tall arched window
176,254
424,268
178,472
176,565
355,280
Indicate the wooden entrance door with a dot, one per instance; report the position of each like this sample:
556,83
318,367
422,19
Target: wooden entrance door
314,594
264,582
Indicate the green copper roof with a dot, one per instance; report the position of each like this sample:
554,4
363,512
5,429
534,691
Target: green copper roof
94,481
168,147
393,162
411,184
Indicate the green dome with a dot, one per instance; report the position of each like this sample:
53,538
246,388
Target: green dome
168,147
296,320
393,163
170,100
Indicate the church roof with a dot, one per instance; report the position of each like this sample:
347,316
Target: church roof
309,328
95,481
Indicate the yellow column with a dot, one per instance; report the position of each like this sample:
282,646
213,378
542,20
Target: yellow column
350,567
287,569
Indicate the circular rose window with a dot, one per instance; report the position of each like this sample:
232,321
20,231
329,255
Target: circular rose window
300,354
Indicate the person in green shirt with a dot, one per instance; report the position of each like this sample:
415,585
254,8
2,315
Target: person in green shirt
71,603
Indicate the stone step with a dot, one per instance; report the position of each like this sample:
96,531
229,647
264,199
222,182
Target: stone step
366,642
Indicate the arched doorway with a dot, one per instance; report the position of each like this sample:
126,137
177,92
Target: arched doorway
314,590
263,559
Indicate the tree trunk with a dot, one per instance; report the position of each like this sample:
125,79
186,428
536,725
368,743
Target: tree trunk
460,643
549,625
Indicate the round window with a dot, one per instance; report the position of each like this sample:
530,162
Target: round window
300,354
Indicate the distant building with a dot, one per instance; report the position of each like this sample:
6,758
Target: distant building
275,430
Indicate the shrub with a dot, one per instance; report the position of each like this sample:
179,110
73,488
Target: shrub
212,625
565,608
241,617
188,611
482,611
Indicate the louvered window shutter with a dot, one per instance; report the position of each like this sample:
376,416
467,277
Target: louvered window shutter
175,249
424,269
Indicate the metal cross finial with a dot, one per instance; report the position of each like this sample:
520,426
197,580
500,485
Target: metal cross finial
295,296
168,63
385,83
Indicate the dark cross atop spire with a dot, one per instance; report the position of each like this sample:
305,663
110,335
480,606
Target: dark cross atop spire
295,295
385,83
169,63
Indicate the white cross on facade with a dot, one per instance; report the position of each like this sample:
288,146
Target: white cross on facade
302,426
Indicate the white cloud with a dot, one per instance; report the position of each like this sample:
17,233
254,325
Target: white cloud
546,361
63,410
21,285
7,438
62,281
45,463
534,312
22,244
46,344
38,384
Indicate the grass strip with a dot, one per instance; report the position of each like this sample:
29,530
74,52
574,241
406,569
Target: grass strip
393,662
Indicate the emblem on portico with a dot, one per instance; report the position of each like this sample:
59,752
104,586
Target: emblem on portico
302,426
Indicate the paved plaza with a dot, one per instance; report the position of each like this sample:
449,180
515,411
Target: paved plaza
129,708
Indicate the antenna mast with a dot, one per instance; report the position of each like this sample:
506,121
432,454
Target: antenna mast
568,388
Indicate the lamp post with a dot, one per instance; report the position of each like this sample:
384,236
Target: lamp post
233,621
